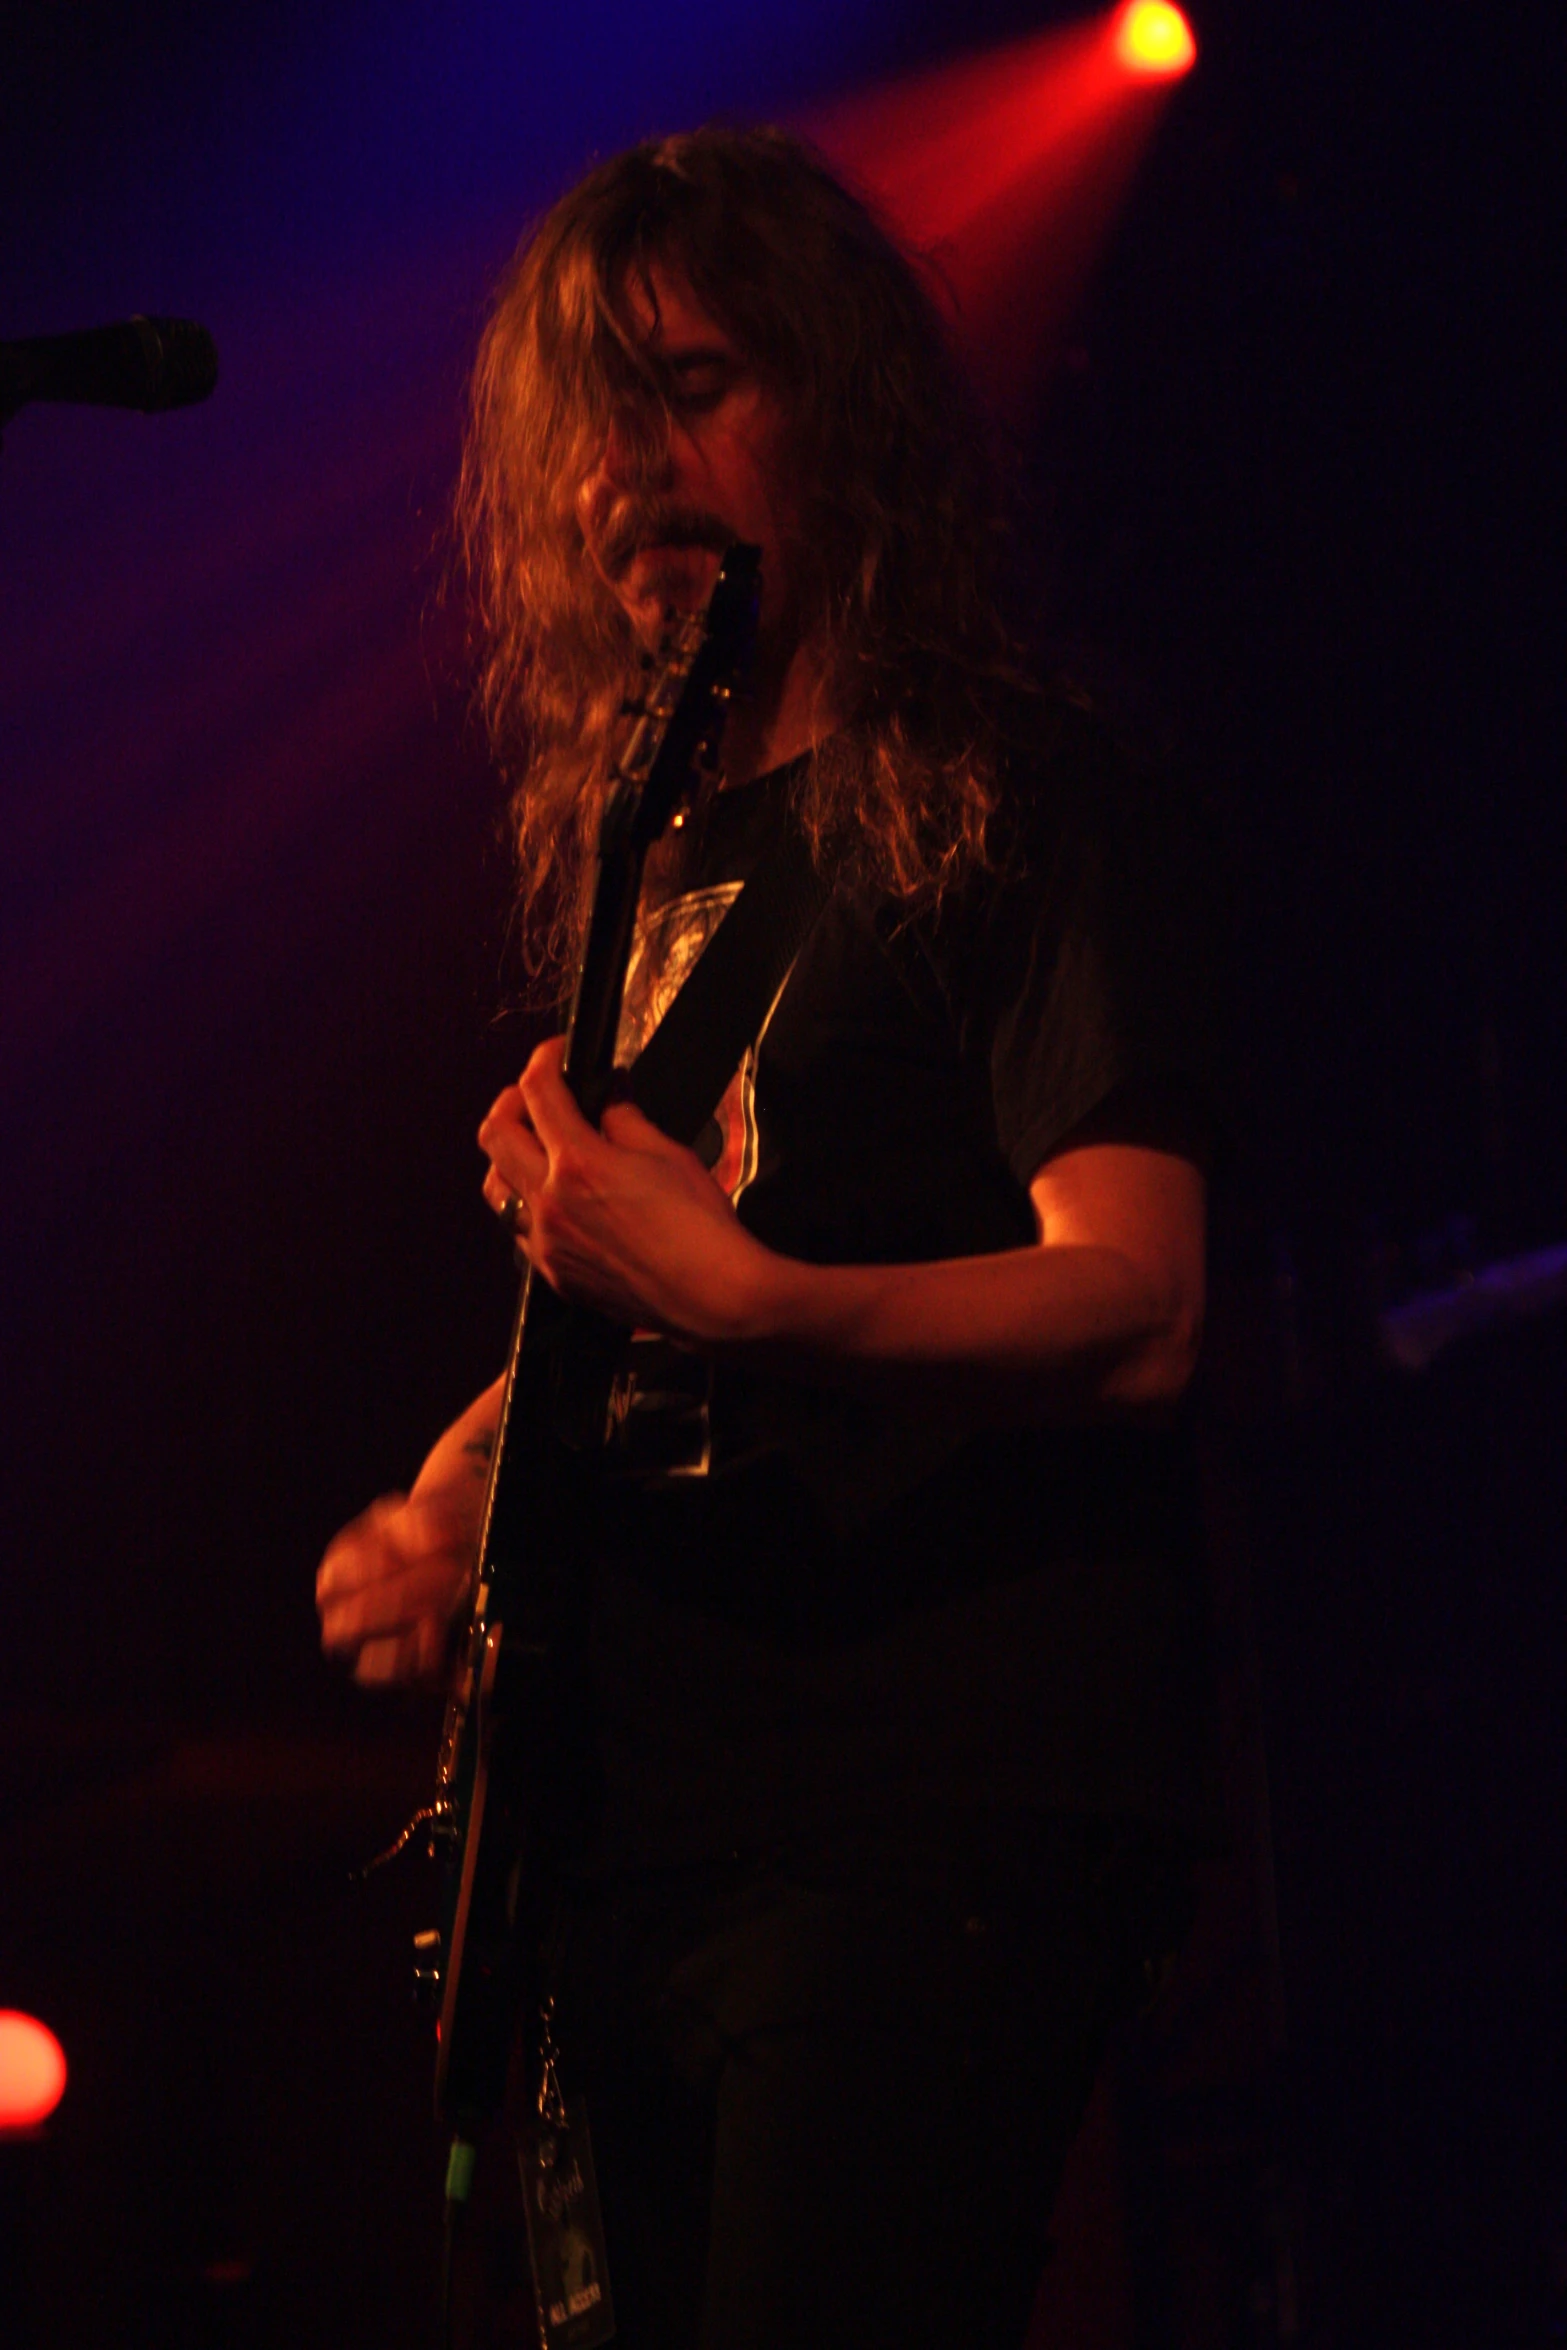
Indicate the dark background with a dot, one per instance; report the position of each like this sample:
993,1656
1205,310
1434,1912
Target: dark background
1301,483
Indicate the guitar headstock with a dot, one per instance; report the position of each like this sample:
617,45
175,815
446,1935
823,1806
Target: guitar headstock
680,717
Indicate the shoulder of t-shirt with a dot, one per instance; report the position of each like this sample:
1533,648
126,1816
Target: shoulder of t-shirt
1096,797
1087,849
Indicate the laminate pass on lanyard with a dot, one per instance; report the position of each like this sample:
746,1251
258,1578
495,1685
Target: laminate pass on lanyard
566,2233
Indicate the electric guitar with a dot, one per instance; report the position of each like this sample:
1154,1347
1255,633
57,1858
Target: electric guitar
512,1771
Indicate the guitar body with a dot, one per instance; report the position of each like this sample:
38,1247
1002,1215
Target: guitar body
513,1775
514,1779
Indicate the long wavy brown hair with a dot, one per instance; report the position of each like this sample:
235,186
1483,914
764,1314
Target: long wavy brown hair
900,511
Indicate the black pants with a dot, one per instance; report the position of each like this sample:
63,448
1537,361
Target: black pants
831,2096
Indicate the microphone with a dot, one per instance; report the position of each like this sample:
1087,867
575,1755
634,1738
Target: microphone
146,363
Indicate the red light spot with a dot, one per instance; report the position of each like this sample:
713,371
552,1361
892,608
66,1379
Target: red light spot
32,2071
229,2272
1154,38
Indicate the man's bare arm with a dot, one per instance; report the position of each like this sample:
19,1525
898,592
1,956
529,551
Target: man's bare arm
1104,1315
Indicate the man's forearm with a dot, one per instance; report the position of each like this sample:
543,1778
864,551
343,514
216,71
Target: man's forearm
461,1456
1029,1333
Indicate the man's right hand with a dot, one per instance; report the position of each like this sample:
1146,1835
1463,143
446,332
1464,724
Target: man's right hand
396,1580
392,1584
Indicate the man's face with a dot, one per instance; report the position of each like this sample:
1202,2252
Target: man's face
656,515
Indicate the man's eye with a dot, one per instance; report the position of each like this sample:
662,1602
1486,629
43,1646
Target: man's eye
693,390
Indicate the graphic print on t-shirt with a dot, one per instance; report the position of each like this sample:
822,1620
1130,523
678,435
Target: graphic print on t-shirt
660,1419
667,945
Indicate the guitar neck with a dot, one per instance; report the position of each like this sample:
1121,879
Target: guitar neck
552,1400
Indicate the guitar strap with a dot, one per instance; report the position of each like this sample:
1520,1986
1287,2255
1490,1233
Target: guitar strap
678,1078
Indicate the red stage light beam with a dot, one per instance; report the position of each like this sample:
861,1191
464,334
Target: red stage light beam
1007,171
32,2072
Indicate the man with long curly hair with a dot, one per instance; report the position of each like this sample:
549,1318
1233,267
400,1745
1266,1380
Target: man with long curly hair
895,1649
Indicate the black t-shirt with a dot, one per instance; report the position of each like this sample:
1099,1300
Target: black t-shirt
816,1606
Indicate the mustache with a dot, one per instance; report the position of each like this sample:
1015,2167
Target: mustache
633,524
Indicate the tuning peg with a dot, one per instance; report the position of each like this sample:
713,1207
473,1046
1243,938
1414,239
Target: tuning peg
429,1955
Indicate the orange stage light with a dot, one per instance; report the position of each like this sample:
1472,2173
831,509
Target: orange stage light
1008,169
32,2071
1152,37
